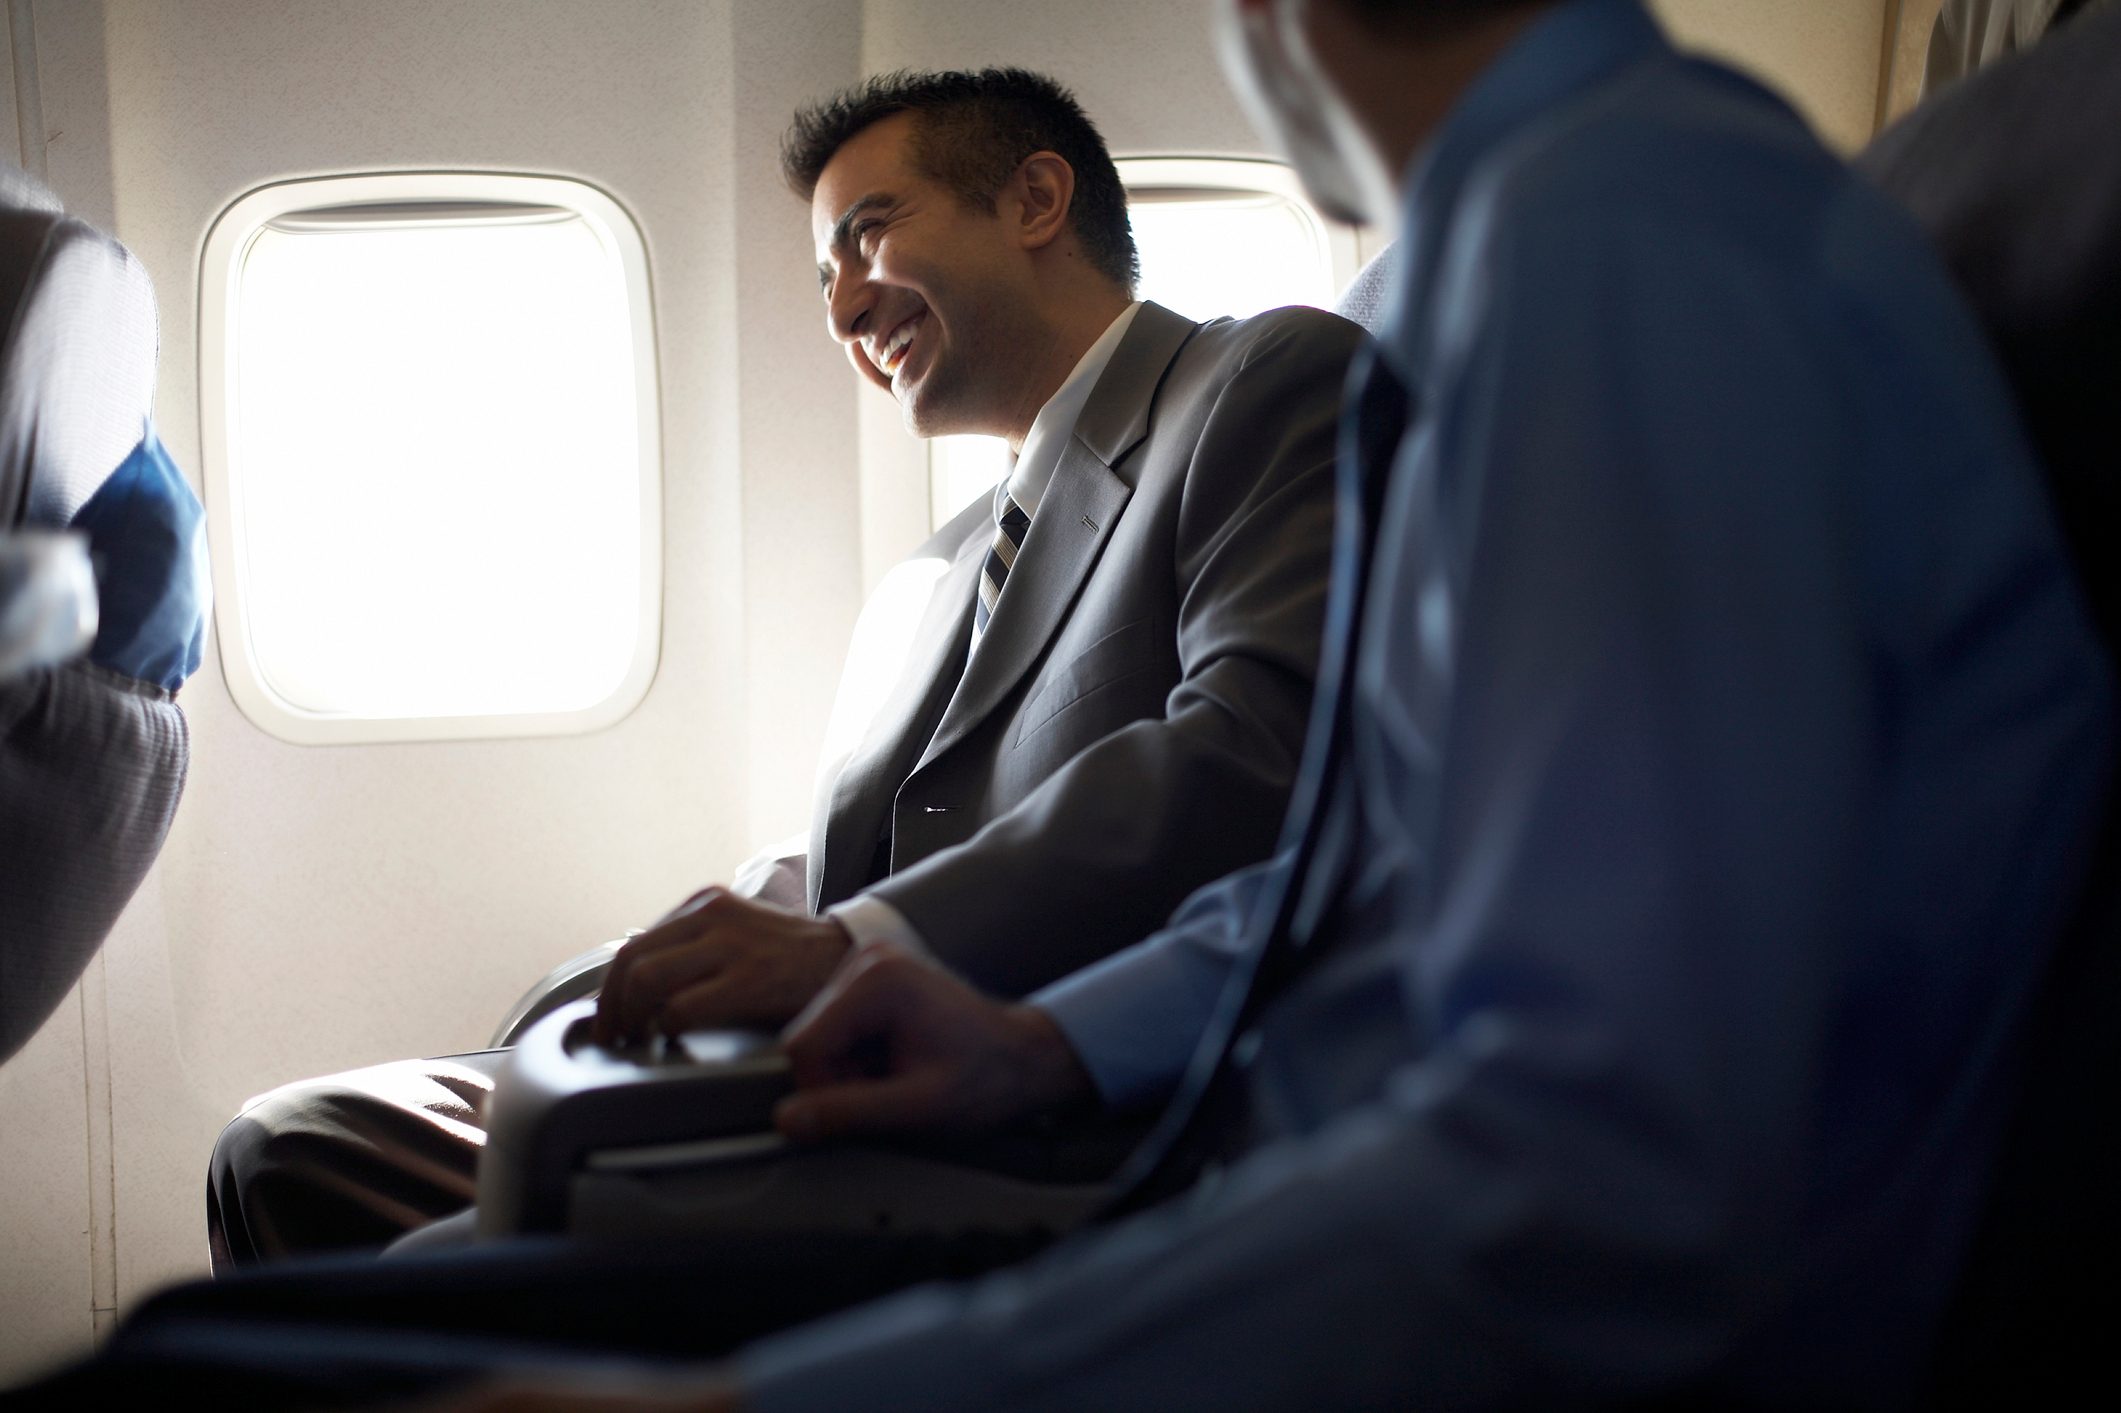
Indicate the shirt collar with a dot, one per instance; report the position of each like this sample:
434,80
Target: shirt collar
1563,53
1055,422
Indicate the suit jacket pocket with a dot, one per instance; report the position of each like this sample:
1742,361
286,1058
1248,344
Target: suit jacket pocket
1118,655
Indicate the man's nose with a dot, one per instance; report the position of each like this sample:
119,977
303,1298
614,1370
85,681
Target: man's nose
848,306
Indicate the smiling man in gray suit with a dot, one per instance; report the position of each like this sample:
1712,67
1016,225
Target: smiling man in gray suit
1104,701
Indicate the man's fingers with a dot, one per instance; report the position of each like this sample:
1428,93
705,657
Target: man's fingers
690,906
634,999
567,1391
893,1104
858,1009
680,925
619,977
722,999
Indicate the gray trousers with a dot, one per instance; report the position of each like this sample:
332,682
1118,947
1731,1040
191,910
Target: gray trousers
349,1161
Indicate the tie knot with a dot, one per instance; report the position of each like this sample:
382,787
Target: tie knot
1010,517
1010,523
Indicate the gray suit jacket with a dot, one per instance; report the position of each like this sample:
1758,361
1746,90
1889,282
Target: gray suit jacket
1130,727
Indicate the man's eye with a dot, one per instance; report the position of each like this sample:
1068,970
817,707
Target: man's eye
863,233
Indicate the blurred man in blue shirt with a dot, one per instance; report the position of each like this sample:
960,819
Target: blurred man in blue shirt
1707,748
1717,750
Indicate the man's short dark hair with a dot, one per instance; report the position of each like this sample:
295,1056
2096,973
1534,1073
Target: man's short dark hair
972,131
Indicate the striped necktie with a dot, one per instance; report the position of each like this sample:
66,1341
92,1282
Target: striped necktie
1010,523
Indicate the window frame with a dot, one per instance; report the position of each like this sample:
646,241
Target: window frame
227,245
1345,245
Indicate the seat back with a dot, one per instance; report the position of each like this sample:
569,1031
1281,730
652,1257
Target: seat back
1367,298
2016,175
91,762
77,370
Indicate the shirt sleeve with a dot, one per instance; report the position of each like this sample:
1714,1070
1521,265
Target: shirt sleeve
1136,1017
869,918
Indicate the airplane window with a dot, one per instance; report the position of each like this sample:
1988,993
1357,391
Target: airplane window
1216,236
432,463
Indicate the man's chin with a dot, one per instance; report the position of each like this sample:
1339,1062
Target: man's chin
928,417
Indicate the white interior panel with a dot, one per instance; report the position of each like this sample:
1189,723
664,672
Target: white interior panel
44,1266
11,149
1821,54
1145,73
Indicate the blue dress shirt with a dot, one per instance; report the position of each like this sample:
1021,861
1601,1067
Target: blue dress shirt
1726,739
147,532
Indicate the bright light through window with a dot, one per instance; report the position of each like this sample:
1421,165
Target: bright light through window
438,473
1204,254
1216,238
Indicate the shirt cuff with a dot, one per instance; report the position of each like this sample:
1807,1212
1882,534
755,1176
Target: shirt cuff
869,918
1134,1020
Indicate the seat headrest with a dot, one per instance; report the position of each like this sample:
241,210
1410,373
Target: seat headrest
19,191
77,356
1363,301
2016,174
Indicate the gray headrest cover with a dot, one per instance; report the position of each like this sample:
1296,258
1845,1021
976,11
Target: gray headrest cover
77,356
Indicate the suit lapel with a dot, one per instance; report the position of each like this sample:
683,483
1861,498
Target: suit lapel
1074,520
843,837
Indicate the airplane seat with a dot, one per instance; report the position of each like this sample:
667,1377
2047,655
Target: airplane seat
92,757
676,1137
579,977
1365,300
2016,174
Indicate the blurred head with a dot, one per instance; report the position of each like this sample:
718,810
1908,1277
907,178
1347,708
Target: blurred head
1348,90
963,222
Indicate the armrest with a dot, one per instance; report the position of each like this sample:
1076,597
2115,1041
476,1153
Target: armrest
675,1138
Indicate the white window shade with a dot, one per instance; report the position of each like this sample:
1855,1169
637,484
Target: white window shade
432,460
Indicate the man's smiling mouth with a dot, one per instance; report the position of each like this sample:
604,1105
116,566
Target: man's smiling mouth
892,354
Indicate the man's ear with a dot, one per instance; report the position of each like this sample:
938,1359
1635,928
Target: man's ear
1045,188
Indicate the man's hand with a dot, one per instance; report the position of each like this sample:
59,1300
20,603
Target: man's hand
565,1393
718,960
897,1044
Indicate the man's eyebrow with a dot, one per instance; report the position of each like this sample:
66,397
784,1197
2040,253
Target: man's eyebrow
843,228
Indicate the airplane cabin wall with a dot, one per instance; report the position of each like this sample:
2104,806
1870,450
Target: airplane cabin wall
1822,54
319,908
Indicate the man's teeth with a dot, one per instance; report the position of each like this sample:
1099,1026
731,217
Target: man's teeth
895,348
